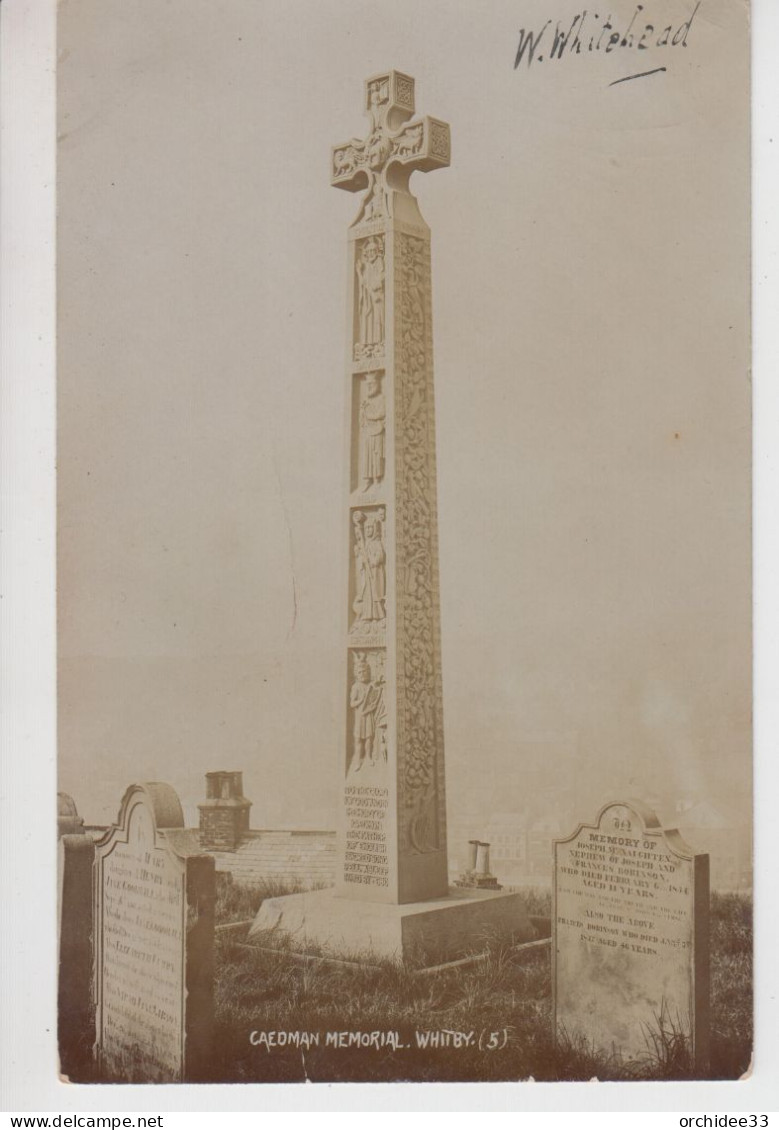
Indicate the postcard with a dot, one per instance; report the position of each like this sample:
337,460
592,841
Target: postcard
404,541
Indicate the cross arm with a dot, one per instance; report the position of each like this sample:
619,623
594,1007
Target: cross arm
424,145
348,167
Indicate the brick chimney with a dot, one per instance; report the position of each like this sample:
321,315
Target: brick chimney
224,817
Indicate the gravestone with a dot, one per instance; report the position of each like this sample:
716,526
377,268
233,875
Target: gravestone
631,938
75,1014
68,820
154,929
392,880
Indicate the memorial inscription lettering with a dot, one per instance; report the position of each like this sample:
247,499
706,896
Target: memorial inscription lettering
151,904
366,858
630,935
143,937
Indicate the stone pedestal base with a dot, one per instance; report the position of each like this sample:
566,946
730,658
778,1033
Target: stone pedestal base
470,879
430,932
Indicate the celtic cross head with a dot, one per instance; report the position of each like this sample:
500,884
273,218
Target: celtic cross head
383,162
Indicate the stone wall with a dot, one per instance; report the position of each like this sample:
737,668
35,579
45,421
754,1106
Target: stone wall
304,858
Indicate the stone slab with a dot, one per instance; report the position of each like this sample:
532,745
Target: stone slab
432,931
631,937
75,1014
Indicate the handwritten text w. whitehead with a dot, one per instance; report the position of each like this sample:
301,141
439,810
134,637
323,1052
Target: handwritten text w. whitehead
589,32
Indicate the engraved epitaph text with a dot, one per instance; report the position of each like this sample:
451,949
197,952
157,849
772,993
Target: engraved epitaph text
630,936
143,951
153,910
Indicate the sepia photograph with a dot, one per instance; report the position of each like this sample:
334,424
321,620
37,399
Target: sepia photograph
404,542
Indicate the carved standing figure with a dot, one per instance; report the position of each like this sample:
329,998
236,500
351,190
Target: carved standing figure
366,699
370,279
371,559
373,414
378,93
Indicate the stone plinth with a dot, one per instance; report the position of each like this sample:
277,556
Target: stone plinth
473,879
432,931
631,937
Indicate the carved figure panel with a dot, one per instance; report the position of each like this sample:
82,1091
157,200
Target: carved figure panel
372,421
369,603
369,269
410,141
377,90
368,710
345,160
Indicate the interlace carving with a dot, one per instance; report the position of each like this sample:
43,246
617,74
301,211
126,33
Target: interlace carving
418,676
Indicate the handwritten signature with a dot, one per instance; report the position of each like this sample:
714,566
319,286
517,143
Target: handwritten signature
587,32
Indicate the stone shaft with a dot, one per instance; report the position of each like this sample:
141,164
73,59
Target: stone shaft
393,825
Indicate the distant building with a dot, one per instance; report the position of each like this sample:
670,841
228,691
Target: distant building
519,806
707,829
521,846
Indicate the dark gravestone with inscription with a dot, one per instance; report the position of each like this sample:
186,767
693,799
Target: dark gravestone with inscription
631,939
154,931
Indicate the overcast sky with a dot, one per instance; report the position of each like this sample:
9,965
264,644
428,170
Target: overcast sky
590,295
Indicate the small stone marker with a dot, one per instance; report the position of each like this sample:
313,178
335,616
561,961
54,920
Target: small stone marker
631,938
154,929
477,874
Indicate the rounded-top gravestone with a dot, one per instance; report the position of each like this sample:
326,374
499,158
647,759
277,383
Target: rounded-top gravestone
153,912
631,938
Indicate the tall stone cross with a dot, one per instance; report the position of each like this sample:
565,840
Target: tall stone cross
393,822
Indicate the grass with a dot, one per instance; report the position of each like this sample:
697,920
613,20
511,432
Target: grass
502,1005
273,992
236,902
731,985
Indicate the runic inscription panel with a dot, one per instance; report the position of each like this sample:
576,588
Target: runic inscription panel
393,803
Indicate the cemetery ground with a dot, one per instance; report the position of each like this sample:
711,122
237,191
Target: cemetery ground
501,1003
